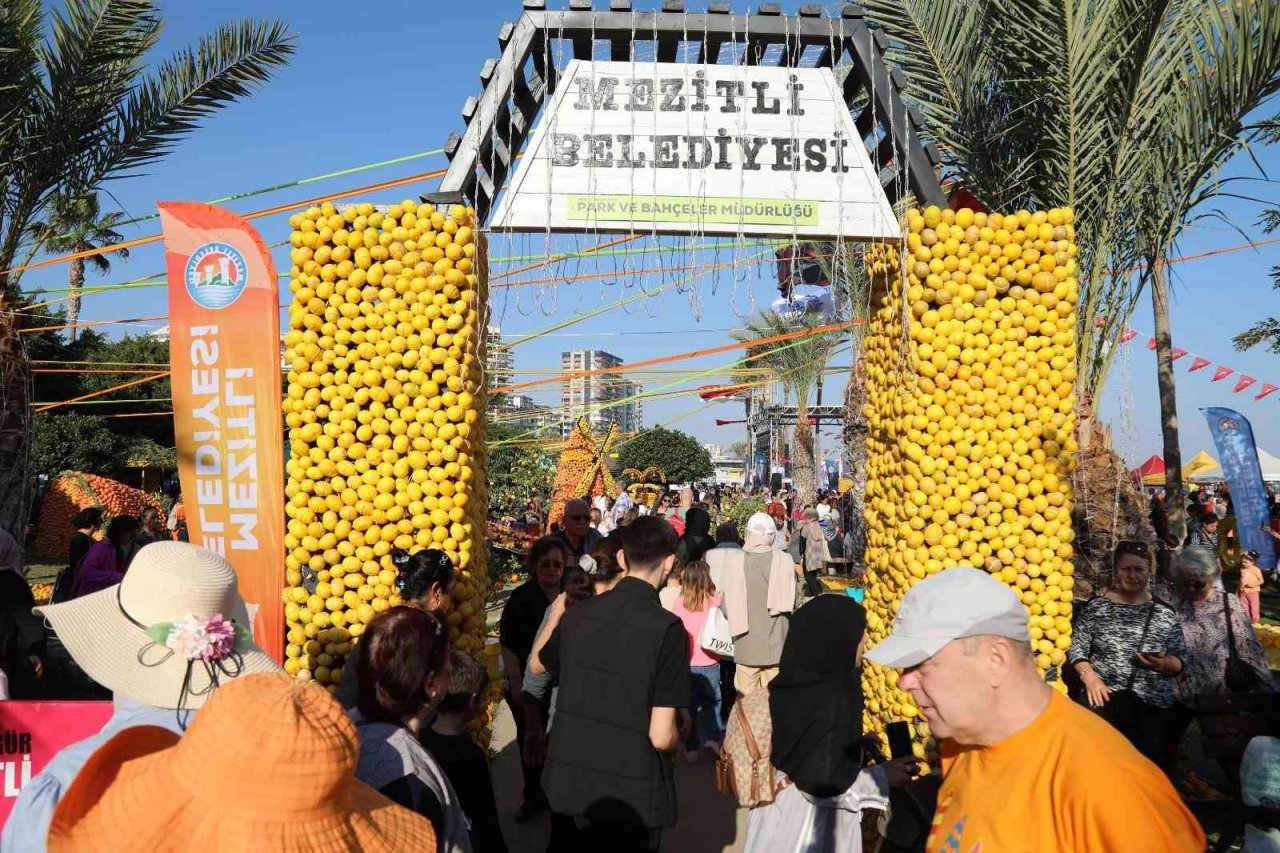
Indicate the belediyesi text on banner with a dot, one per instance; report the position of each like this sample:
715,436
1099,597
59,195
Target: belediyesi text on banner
225,362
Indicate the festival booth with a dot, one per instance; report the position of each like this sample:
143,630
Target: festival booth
1270,471
1201,463
1149,473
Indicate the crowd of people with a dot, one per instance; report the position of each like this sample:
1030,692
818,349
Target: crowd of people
643,637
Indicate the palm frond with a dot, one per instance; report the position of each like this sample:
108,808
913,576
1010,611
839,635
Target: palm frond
188,88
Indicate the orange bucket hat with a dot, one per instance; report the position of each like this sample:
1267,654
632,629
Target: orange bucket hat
267,765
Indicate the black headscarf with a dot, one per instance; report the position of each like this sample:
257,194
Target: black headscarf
816,699
696,540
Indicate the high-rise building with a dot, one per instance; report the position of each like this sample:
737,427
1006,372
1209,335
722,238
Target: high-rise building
591,395
498,364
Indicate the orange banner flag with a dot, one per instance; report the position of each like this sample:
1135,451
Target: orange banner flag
224,352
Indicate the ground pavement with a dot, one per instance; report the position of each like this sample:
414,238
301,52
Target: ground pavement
709,821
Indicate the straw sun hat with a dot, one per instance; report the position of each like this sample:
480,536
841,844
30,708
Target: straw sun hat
166,632
268,765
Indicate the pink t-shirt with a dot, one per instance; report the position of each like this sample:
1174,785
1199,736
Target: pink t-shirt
693,621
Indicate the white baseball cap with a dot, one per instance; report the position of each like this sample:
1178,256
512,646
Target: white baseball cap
954,603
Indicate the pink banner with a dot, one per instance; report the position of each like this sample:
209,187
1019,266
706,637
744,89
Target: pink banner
1222,373
34,732
1129,334
1267,388
1245,382
1199,362
1151,343
1178,353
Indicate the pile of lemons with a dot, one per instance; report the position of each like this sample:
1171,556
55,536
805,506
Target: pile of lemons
971,365
386,421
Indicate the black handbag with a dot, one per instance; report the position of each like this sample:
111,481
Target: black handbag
1125,710
1239,676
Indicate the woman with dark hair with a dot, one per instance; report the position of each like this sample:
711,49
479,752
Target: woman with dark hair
517,631
815,703
86,523
1126,647
425,580
105,563
696,540
403,665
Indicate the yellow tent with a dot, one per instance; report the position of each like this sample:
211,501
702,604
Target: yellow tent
1202,462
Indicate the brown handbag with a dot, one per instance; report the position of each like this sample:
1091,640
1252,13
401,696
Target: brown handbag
743,769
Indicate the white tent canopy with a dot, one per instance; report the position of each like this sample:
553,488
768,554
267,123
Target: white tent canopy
1270,470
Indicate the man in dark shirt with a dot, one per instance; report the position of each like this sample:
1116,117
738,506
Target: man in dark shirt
577,534
623,667
517,630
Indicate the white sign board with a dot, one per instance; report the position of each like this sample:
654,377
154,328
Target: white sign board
690,149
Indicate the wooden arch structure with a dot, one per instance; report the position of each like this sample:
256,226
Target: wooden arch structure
517,84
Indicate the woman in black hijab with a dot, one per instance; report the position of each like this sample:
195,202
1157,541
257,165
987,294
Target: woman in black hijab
816,706
696,540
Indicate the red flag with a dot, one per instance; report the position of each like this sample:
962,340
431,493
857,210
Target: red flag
1151,343
725,423
1245,382
1267,388
1129,334
1222,373
1198,362
1178,353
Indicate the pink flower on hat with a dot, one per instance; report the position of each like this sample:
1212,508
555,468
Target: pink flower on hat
208,640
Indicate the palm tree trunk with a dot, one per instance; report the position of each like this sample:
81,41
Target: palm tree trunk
15,398
75,279
855,453
802,453
1168,402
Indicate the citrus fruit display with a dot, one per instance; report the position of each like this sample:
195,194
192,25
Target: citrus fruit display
72,491
971,367
581,471
385,421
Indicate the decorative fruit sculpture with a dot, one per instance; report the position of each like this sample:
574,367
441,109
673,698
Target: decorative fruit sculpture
385,414
73,491
581,470
971,365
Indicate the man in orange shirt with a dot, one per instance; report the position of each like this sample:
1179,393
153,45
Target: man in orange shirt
1025,770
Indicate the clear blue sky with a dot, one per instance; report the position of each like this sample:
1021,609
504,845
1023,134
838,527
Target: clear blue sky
374,82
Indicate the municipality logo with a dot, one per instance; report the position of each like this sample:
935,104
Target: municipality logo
216,275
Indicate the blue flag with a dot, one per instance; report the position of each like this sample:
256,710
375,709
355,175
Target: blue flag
1238,455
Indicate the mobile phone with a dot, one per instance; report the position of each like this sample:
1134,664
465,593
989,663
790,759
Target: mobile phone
899,739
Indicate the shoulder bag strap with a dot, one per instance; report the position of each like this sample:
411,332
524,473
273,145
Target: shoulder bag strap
1146,626
753,749
1231,636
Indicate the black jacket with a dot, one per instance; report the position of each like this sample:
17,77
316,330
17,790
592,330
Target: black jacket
618,656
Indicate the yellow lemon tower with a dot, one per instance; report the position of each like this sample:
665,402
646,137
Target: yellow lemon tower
385,413
971,367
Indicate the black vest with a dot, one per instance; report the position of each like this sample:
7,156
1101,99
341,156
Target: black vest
600,762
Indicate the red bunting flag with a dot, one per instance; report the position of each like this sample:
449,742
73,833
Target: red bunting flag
1129,334
1245,382
1151,343
1178,353
1267,388
1198,362
1222,373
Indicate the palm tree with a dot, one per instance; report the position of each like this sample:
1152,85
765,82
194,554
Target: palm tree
797,364
75,225
1123,109
81,104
